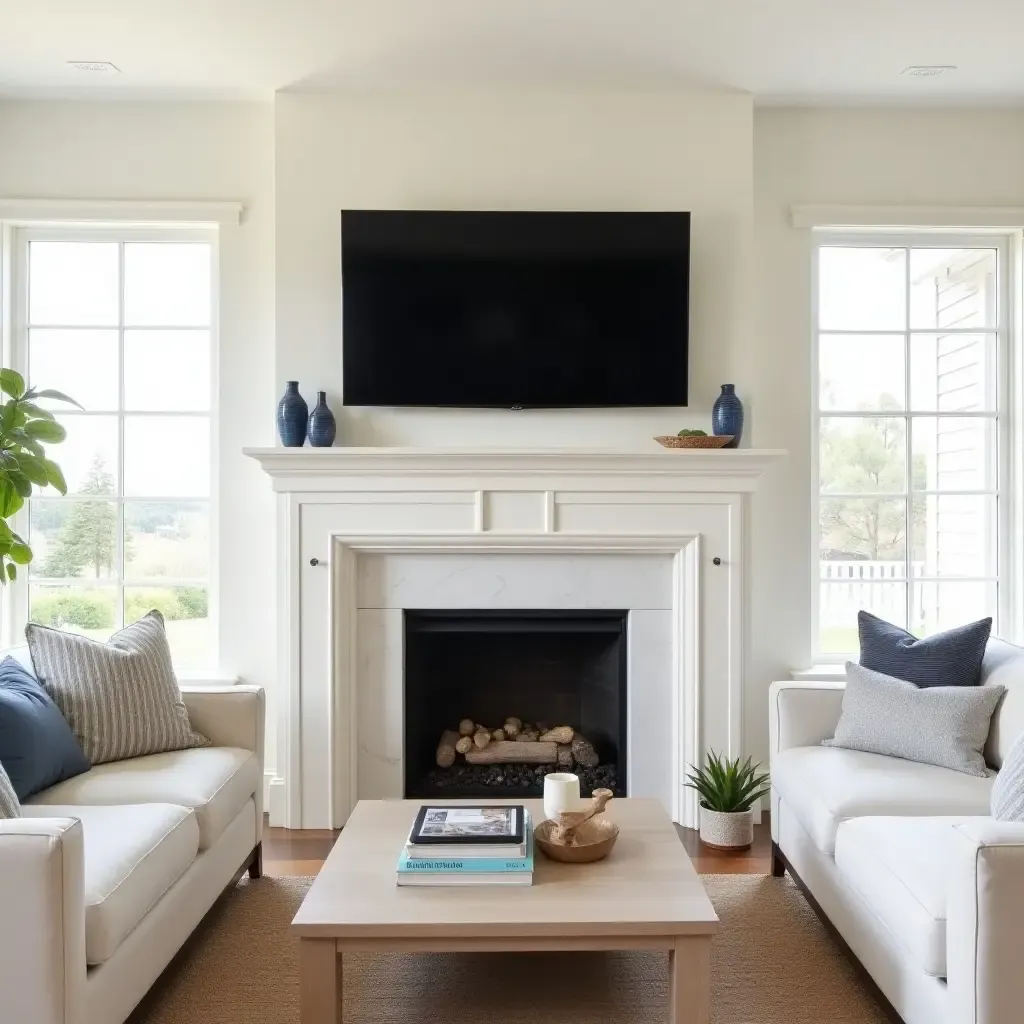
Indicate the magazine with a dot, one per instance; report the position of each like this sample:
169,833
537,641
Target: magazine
468,825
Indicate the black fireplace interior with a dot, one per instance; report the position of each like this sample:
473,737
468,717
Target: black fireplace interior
552,668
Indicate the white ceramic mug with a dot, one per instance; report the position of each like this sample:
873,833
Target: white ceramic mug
561,793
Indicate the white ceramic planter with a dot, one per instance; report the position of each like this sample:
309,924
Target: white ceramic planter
722,830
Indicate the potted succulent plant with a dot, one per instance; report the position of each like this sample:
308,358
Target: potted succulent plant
728,790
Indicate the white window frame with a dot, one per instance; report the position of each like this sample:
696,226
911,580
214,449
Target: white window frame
1008,340
15,237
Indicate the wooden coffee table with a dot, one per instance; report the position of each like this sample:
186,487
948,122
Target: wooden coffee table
646,895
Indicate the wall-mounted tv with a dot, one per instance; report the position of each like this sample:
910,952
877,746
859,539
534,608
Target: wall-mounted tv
505,309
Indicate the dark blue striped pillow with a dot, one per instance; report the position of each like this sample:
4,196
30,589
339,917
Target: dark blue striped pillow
952,658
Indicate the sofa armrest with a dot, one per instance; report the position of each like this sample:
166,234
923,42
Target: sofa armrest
42,920
983,919
802,714
229,716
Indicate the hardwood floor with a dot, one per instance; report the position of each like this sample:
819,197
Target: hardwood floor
287,852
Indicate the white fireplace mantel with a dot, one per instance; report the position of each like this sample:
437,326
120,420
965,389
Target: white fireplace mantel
367,532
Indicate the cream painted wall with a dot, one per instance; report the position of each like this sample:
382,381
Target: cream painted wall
190,152
834,156
512,150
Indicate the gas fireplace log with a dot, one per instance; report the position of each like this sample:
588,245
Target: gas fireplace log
511,728
467,727
481,739
446,749
528,736
565,759
498,734
465,744
560,734
583,752
513,752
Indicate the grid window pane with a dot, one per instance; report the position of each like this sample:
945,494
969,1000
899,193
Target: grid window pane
863,538
953,454
861,371
943,604
166,540
953,288
863,455
73,284
167,371
124,327
952,373
166,456
862,289
954,535
839,603
81,363
166,284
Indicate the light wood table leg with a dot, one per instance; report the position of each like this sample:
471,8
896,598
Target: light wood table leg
689,980
319,982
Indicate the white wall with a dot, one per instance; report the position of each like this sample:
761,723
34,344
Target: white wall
512,150
190,152
834,156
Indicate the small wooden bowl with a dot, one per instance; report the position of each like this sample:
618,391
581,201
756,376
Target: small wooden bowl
695,441
594,841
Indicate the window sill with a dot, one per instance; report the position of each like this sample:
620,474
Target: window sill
819,673
197,678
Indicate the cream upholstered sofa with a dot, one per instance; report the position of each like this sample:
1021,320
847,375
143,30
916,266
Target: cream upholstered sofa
902,859
106,875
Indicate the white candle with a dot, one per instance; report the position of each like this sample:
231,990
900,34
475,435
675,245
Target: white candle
561,793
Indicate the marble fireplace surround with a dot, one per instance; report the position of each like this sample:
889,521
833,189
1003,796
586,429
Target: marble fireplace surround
367,532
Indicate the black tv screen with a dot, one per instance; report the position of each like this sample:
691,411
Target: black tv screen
514,309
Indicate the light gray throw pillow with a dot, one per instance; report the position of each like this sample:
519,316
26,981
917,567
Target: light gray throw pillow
941,725
9,805
120,698
1008,790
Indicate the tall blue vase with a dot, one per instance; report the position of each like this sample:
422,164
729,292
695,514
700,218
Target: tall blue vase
322,428
292,416
727,415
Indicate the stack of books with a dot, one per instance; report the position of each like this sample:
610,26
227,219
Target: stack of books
468,846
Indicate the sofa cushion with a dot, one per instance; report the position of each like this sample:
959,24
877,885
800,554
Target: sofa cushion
951,658
1004,666
900,867
133,855
824,786
37,746
943,725
121,698
214,781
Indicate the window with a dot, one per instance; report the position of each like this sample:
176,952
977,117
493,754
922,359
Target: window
123,321
911,334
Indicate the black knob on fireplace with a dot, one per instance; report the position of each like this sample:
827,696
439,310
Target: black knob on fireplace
314,562
716,560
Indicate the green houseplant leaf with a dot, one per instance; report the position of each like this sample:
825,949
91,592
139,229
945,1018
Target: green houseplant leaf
728,785
25,430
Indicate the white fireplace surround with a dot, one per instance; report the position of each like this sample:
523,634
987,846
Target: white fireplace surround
368,532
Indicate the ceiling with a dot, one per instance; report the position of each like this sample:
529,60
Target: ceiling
782,51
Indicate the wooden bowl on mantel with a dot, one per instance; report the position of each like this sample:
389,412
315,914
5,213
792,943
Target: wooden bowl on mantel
694,441
594,841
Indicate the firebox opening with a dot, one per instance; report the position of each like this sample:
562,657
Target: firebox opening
540,669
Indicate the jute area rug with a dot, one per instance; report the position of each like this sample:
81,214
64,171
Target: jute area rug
772,963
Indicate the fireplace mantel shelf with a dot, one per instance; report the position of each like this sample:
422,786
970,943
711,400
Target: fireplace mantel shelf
736,469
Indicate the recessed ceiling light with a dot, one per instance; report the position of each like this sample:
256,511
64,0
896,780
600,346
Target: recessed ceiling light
95,67
927,70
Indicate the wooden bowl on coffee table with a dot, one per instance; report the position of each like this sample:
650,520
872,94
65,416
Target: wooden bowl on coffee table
594,841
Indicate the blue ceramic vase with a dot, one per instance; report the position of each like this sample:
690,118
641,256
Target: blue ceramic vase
322,428
727,415
292,416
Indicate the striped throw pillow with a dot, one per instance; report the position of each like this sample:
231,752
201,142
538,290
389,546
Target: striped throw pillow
9,806
120,698
1008,789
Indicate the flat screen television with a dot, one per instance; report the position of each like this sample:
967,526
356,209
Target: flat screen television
514,310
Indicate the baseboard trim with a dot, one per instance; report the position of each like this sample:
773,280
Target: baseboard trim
780,865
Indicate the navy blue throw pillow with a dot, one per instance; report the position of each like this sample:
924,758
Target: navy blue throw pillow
37,746
952,658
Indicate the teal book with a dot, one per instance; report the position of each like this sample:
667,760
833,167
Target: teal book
469,865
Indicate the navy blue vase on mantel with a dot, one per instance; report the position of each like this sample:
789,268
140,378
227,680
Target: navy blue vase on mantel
322,428
727,415
292,416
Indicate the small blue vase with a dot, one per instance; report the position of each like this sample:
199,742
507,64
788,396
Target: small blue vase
322,427
727,415
292,416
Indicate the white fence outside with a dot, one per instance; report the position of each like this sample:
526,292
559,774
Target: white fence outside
851,586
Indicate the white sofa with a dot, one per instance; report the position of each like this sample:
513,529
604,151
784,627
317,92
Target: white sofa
106,875
902,859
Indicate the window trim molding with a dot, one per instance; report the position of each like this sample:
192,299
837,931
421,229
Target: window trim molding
909,219
14,238
1010,390
106,212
